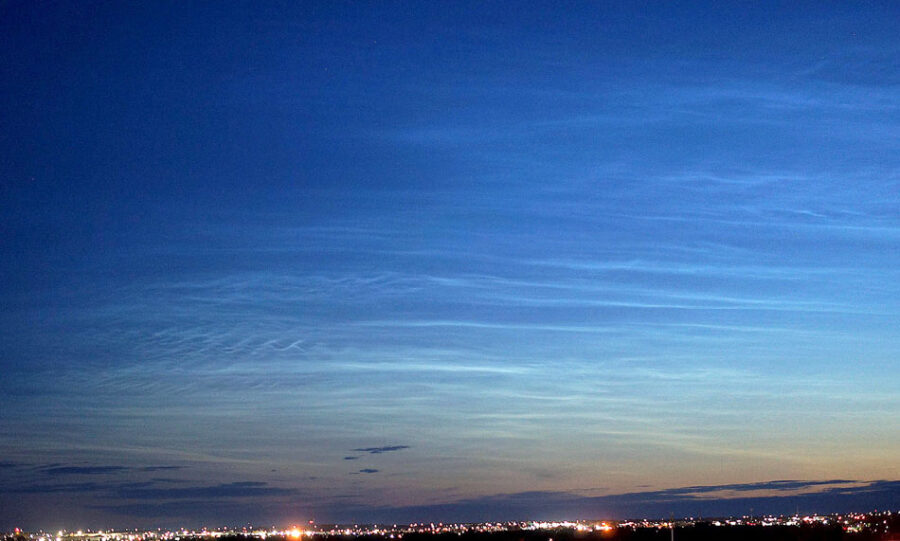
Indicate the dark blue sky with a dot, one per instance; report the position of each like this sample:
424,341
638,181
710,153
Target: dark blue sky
395,261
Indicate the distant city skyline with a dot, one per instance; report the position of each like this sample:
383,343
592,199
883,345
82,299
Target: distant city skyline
365,261
817,525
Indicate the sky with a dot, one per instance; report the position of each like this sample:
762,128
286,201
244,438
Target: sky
396,261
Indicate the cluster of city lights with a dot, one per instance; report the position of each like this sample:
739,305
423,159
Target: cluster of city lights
849,522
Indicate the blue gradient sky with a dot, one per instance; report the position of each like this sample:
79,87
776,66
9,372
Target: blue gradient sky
394,261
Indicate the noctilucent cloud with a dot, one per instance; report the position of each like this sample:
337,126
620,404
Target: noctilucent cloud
446,261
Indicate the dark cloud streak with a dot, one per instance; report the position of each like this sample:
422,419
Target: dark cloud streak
708,500
380,450
84,470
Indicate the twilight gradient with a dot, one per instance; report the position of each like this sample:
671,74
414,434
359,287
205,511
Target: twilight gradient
386,261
